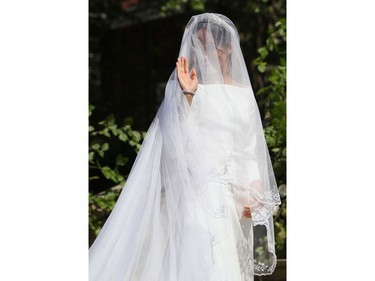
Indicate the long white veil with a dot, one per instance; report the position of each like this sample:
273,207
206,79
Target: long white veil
161,227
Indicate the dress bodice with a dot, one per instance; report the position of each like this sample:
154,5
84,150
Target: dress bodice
223,113
225,117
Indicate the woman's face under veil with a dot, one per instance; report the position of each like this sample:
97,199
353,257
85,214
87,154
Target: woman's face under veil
213,54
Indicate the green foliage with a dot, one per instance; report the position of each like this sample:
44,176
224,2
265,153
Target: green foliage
179,5
106,130
273,96
100,206
101,135
275,90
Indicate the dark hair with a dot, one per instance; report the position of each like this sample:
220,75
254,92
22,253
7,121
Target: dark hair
220,34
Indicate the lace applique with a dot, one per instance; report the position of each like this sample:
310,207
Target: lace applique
260,266
245,259
221,211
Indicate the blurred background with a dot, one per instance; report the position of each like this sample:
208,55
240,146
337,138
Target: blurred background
133,46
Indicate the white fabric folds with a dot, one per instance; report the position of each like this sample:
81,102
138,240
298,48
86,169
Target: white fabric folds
178,217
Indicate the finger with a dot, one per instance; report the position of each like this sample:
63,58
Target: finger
183,65
179,64
186,65
193,74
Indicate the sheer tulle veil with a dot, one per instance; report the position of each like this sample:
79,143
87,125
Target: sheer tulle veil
161,227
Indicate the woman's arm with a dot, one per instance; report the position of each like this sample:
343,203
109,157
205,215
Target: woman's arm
186,80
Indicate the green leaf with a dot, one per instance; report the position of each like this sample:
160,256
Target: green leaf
263,52
262,67
136,136
132,143
109,173
95,146
122,136
105,146
276,149
116,131
110,120
121,160
197,5
91,156
113,129
127,128
91,109
120,178
103,204
128,121
105,132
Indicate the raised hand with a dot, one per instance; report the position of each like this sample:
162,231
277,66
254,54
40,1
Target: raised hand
187,81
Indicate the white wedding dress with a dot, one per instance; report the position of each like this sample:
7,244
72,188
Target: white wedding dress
233,246
179,215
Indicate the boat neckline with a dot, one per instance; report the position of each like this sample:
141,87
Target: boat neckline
247,87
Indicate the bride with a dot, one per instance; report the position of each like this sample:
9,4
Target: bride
198,203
